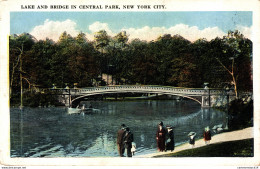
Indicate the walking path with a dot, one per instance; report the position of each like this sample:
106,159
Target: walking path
223,137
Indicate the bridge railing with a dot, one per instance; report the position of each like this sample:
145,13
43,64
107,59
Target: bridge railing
131,88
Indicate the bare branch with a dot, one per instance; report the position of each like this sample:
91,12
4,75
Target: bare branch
225,66
27,82
14,66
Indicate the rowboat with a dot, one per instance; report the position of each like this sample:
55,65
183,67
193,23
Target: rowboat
81,110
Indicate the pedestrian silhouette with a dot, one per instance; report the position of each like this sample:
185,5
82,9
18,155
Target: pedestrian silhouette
128,139
120,140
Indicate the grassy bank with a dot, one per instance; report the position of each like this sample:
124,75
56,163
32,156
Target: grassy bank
240,148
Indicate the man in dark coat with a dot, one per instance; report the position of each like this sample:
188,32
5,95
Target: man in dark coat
128,139
120,140
160,137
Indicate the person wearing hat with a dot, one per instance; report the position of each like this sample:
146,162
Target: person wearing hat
207,135
170,139
120,140
192,139
160,137
128,139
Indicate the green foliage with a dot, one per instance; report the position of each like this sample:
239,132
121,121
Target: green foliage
240,114
102,39
19,47
169,60
39,99
32,99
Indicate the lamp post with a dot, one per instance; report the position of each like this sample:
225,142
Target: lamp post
68,88
227,94
227,106
75,85
206,85
206,96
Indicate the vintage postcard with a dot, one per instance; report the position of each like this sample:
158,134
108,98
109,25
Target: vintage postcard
122,83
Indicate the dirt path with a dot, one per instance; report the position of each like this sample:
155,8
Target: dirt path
223,137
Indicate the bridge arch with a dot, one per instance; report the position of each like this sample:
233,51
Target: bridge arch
114,92
204,96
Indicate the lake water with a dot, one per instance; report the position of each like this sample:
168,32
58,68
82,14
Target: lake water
52,132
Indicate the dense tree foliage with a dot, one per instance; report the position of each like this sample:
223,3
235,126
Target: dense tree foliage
169,60
240,114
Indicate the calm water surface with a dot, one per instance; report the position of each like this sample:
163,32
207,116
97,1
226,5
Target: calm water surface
51,132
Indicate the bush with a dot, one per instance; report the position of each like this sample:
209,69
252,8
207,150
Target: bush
240,114
34,99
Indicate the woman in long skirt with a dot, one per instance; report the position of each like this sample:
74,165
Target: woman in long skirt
160,137
170,139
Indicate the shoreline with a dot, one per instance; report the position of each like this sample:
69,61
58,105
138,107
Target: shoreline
222,137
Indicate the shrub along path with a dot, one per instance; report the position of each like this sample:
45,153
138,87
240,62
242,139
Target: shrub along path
246,133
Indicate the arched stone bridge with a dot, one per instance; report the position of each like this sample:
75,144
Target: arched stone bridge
205,96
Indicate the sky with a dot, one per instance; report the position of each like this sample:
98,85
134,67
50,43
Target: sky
143,25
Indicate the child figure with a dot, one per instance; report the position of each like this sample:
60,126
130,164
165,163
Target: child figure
133,149
207,135
192,139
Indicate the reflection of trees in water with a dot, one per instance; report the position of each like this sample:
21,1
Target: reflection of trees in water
202,116
150,107
145,124
104,145
43,130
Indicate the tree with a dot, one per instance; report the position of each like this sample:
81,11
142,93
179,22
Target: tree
234,44
173,60
19,46
143,63
101,42
121,39
38,63
102,39
119,61
162,48
82,62
60,72
172,53
199,50
184,71
81,38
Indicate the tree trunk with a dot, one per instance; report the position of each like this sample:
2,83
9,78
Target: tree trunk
235,85
13,71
